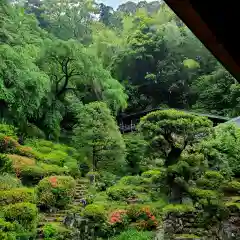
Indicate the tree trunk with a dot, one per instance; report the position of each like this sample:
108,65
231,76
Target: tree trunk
173,156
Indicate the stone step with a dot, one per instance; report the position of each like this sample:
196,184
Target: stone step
53,219
54,215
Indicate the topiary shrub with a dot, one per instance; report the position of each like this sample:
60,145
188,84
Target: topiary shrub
178,209
211,180
8,130
8,181
44,149
5,164
133,180
8,144
151,173
120,192
31,175
25,214
27,152
234,204
55,191
211,203
7,230
51,169
204,196
16,195
19,161
56,231
56,157
38,143
95,212
232,187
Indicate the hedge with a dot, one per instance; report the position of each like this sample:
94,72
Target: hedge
25,214
16,195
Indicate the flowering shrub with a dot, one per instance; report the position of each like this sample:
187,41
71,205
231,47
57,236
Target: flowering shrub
140,217
117,216
56,191
143,218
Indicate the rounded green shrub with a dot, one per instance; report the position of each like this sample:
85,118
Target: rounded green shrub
56,191
40,143
133,180
95,212
232,187
120,192
23,213
8,181
56,157
51,169
151,173
16,195
8,130
178,208
7,230
6,164
205,197
44,149
56,231
31,175
211,180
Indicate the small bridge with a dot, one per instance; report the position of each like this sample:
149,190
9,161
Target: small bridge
128,123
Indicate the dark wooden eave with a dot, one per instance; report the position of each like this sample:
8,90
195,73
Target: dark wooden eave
216,24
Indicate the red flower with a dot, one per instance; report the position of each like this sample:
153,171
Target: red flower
116,216
53,181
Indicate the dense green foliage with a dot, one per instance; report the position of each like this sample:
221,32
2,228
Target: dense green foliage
69,69
102,141
55,191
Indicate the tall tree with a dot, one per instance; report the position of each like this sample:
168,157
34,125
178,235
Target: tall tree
97,134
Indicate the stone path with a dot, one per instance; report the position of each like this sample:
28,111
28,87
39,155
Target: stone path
58,216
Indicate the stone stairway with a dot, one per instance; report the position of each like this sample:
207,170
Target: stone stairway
59,215
81,189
